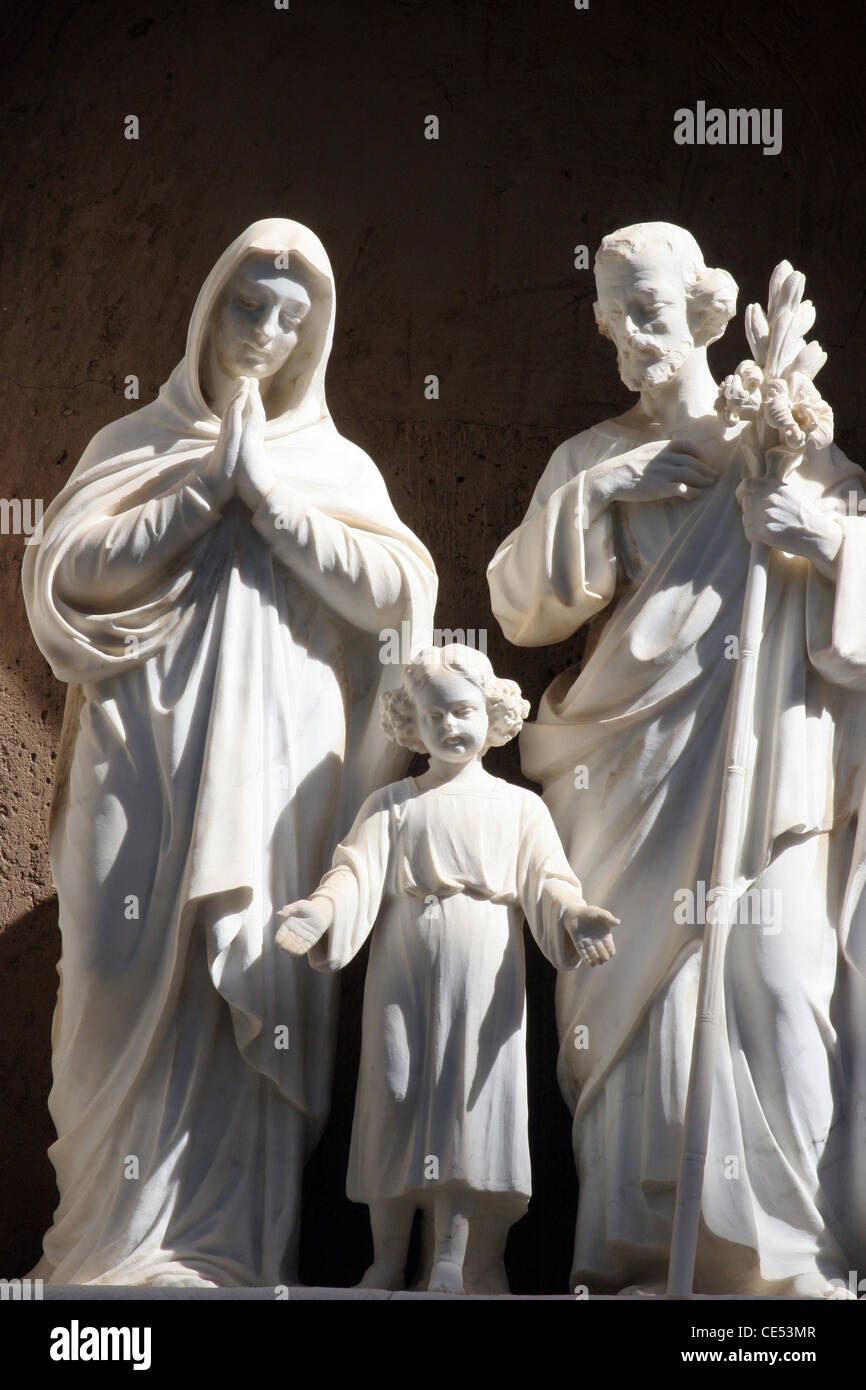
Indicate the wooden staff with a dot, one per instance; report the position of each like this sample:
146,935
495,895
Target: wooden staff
779,352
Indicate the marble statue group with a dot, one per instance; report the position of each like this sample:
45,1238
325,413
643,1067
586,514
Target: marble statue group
233,818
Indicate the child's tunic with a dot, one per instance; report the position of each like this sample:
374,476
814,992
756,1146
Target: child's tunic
447,874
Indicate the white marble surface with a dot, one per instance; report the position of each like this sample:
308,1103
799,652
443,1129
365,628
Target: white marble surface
211,584
446,866
638,528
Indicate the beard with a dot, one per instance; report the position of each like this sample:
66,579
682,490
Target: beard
638,372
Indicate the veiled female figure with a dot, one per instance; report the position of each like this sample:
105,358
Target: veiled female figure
212,583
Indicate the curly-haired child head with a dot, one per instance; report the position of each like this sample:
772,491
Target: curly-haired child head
506,708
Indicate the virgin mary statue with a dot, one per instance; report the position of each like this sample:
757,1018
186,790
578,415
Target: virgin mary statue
212,583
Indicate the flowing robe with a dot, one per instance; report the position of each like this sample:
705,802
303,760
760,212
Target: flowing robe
447,874
630,752
221,731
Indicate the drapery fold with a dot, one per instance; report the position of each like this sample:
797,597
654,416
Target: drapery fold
630,750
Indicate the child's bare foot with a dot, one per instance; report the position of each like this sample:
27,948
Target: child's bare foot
382,1275
446,1277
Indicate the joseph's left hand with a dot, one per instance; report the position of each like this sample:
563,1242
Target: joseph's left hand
778,514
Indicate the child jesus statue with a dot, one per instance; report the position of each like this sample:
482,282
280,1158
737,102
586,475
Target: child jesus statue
446,865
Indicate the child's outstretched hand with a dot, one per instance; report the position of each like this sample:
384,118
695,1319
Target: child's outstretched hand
304,923
590,929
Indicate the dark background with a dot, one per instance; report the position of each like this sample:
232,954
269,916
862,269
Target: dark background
452,257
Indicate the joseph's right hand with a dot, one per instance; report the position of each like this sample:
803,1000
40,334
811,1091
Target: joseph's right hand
653,471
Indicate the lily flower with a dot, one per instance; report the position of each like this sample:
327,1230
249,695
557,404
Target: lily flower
796,410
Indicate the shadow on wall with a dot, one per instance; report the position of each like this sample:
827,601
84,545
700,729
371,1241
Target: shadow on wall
29,951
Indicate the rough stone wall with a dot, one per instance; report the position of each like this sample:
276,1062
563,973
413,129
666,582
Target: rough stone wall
452,257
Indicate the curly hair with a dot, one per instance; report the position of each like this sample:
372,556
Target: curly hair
712,293
506,707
